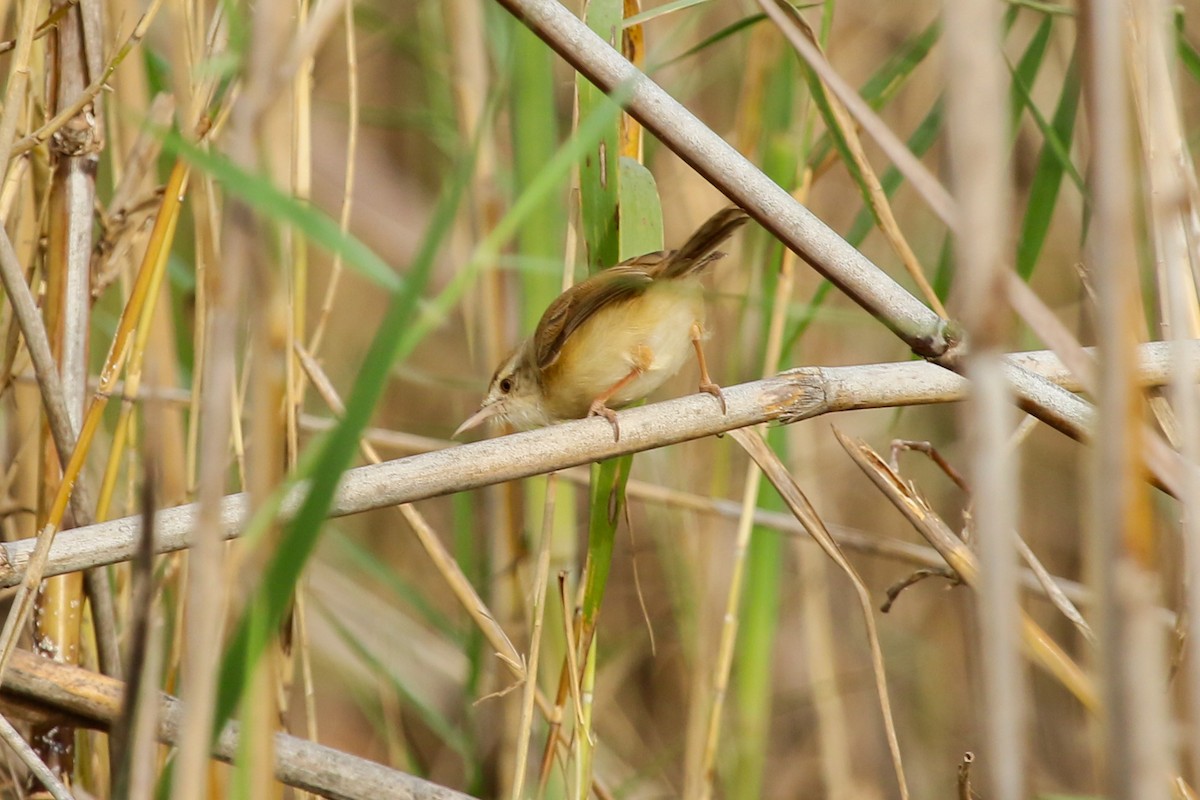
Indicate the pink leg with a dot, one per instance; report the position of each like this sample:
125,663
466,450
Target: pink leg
706,383
599,407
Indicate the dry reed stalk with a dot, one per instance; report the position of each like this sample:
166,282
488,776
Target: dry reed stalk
220,270
18,80
154,261
74,155
169,213
796,394
96,699
977,118
1172,211
488,313
347,206
295,638
191,45
529,691
86,96
832,732
131,740
1121,547
297,380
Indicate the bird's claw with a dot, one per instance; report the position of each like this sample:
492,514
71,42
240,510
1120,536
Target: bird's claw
715,391
598,409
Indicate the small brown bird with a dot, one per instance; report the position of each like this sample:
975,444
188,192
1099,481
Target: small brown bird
613,339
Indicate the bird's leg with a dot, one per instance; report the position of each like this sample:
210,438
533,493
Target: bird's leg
706,383
599,407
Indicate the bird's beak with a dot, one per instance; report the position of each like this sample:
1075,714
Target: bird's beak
478,418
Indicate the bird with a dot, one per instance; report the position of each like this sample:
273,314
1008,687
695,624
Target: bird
612,339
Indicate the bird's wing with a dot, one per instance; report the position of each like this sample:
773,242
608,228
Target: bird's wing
575,306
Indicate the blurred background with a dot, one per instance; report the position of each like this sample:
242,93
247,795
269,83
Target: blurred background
418,128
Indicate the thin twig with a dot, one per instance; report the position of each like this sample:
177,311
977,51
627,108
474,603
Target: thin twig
964,776
894,591
351,167
1049,584
899,445
1042,650
18,80
47,25
62,432
29,320
723,663
91,91
1053,591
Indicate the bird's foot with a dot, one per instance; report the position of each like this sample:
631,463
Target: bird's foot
599,409
711,388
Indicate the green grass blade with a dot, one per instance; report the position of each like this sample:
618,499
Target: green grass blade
807,316
368,563
758,618
445,729
943,276
882,86
602,197
272,597
1189,57
607,499
1027,69
534,134
709,41
1053,162
641,231
260,194
1058,146
887,80
434,312
658,11
598,173
641,227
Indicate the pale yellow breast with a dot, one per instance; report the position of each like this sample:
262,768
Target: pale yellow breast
651,332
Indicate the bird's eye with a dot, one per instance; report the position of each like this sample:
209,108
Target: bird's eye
506,385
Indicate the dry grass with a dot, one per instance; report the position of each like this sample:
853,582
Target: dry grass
303,234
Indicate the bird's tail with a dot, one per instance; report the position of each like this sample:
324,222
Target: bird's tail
700,250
